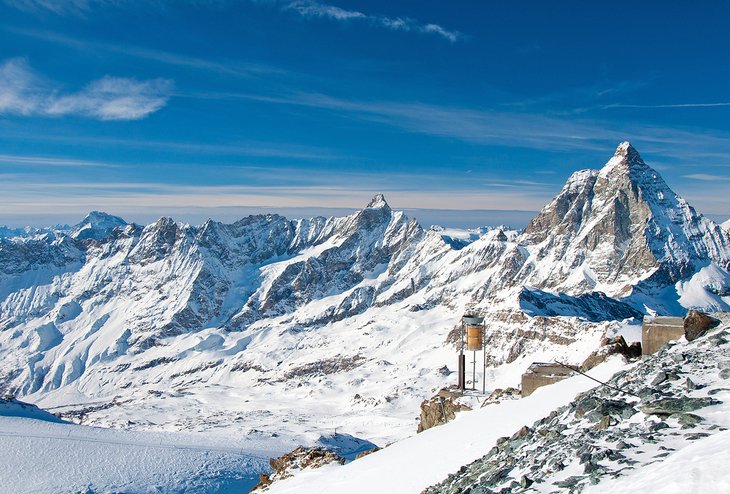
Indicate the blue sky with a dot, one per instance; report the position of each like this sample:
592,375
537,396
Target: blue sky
466,113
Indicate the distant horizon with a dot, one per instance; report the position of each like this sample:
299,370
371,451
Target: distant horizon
446,218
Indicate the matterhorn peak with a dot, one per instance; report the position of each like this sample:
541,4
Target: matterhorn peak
378,202
628,152
625,161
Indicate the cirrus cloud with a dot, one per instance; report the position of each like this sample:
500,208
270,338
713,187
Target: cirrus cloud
24,92
313,9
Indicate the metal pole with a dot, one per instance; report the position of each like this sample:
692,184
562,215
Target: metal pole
484,353
474,371
462,369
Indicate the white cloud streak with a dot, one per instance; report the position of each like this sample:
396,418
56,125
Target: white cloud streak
518,129
23,92
51,161
60,7
312,9
672,105
706,177
236,68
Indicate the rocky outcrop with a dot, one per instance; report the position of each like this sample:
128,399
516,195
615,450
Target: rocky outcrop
294,462
696,324
440,409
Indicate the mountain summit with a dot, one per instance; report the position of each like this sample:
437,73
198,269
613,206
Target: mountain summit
378,202
97,225
607,229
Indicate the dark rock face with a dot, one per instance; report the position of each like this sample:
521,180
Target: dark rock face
696,324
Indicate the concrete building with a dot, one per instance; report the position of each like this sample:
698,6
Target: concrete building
540,374
657,331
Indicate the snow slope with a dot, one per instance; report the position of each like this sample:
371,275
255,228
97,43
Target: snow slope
411,465
40,456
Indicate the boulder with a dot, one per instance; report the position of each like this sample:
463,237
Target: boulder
300,459
696,324
669,406
440,409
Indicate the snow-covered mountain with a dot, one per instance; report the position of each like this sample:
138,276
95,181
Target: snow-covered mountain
173,326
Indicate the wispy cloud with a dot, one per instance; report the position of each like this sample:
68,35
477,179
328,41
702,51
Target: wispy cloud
305,8
518,129
24,92
706,177
672,105
235,68
55,6
312,9
52,161
114,98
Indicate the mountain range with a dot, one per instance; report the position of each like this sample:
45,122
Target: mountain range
277,326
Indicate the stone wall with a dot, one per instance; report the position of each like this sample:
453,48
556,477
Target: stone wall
658,331
539,375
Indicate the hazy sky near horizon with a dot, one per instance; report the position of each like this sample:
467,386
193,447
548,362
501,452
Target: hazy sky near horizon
217,108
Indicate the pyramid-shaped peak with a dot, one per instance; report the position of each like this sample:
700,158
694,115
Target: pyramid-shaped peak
378,202
628,152
626,160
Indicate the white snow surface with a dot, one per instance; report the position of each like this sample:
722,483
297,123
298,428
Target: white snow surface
411,465
42,456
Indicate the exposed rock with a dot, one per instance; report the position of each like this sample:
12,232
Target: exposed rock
367,452
440,409
523,433
526,482
689,420
500,394
609,346
660,378
604,423
696,324
300,459
668,406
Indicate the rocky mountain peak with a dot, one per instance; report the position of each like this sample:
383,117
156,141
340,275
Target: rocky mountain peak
378,202
627,152
97,225
627,161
